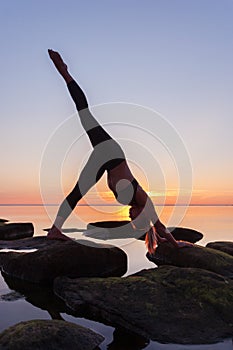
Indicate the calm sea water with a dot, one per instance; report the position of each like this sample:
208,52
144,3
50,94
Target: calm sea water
215,222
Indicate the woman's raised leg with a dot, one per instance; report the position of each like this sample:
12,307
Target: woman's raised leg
106,150
94,130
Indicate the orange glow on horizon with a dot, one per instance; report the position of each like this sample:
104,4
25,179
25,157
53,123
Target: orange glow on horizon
201,197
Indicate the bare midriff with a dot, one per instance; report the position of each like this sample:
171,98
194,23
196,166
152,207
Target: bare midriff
120,172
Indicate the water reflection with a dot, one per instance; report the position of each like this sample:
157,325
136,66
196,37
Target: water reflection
45,299
115,339
38,296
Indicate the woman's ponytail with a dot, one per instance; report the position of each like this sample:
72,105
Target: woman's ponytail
151,240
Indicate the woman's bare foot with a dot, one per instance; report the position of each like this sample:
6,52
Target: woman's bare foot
55,233
60,65
58,61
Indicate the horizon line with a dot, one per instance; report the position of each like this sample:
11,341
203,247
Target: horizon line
114,205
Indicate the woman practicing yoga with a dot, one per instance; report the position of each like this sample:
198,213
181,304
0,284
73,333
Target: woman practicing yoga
108,156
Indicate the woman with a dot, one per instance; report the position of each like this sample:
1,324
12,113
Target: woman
107,156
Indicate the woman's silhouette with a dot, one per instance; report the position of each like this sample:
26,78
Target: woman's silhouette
107,156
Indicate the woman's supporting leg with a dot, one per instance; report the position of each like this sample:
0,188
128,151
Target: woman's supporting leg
89,176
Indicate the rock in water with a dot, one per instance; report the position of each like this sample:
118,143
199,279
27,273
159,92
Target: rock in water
196,256
185,234
16,231
226,247
3,222
70,258
123,229
108,224
167,304
49,334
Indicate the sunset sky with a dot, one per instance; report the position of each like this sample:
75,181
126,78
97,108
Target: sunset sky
159,75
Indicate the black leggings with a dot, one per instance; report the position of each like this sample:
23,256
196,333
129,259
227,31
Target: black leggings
107,153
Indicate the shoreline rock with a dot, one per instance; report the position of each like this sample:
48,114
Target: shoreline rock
49,334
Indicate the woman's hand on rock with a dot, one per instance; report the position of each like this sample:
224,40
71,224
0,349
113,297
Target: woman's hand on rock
184,244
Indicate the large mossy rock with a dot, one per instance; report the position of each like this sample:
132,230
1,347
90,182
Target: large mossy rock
47,334
226,247
196,256
69,258
16,231
168,304
123,229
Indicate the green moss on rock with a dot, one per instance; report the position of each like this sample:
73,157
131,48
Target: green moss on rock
168,304
196,256
49,334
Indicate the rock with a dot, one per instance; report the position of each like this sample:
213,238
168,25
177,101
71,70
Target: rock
123,229
114,230
49,334
69,258
108,224
185,234
226,247
16,231
3,222
196,256
168,304
37,242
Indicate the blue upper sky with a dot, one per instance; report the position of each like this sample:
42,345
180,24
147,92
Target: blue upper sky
174,56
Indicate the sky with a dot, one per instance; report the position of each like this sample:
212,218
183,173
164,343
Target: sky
158,74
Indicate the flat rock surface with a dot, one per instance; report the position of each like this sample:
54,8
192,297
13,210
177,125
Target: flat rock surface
37,242
185,234
196,256
168,304
16,230
49,334
59,258
123,229
226,247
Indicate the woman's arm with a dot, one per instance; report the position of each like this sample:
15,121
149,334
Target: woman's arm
159,226
160,229
149,212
